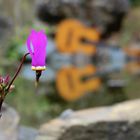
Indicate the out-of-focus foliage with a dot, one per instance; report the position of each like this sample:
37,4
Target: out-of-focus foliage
130,27
28,104
19,40
135,2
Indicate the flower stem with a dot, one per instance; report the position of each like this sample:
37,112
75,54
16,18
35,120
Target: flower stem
1,101
17,72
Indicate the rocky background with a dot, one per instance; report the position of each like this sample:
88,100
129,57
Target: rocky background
117,122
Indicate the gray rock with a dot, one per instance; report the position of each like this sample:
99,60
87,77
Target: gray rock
107,15
9,124
26,133
117,122
66,114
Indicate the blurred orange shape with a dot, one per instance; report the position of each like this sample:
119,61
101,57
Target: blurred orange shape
70,34
70,84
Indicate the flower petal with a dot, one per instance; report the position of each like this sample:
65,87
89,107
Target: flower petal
6,80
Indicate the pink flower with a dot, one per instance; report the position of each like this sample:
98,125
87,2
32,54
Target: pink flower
4,80
36,44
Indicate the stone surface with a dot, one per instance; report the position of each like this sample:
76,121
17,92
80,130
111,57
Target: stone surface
27,133
104,131
9,124
100,123
108,15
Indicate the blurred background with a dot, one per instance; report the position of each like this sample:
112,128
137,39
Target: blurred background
93,54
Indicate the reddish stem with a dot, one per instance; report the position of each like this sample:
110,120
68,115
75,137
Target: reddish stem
18,70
